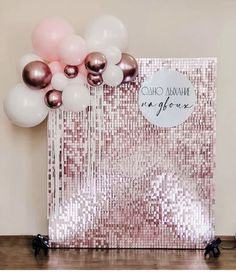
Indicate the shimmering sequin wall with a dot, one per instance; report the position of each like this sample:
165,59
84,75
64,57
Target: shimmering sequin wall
117,181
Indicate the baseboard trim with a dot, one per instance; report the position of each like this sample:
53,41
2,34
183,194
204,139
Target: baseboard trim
17,236
227,238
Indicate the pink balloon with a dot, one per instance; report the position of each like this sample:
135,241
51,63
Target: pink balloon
48,88
56,67
72,50
82,70
47,36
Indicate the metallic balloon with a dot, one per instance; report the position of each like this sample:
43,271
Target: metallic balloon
53,99
71,71
94,80
37,75
95,63
129,66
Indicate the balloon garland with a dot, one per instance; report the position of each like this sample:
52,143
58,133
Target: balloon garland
64,65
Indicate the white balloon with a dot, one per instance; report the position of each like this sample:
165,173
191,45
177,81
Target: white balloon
75,97
113,75
112,54
25,107
59,81
79,79
106,31
25,60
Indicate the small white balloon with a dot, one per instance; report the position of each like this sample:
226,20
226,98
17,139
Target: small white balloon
112,54
59,81
75,97
80,79
113,75
106,31
25,60
24,107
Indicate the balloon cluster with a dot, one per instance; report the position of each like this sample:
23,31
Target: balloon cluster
112,69
64,65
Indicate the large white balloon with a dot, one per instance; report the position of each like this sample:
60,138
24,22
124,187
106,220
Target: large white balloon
106,31
25,60
113,75
75,97
25,107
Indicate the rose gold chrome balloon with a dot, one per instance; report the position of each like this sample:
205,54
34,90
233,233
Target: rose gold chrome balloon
71,71
37,75
95,63
94,80
53,99
129,66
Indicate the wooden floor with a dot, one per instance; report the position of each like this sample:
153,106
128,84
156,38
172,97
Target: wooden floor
16,253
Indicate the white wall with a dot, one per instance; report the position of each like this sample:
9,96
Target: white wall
157,28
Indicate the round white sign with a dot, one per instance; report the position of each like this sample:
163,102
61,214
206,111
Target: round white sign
167,99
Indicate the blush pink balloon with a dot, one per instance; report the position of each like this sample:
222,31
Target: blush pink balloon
48,88
82,70
47,36
56,67
73,50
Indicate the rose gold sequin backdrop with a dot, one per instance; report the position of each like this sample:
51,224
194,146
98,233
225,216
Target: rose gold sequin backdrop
117,181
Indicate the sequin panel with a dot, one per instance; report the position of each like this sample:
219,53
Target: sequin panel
117,181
